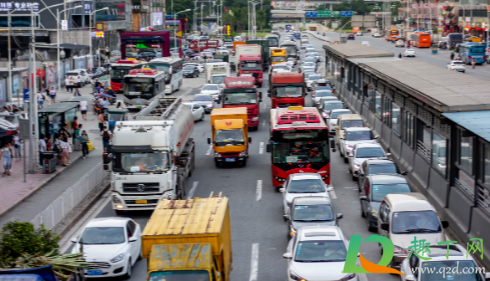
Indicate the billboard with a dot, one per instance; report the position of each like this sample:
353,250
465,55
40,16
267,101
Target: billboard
312,14
346,14
157,18
324,13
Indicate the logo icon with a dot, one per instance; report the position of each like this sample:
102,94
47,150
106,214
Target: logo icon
228,123
367,266
141,187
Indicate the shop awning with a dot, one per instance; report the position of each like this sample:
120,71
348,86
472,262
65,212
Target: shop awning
59,107
74,46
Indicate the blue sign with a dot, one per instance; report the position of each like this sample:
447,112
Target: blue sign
313,14
346,14
26,94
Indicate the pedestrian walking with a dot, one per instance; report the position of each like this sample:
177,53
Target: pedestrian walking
119,105
74,126
106,105
78,131
83,109
452,55
106,137
400,55
77,93
68,84
6,155
101,120
40,99
64,132
17,145
52,95
42,148
64,150
84,140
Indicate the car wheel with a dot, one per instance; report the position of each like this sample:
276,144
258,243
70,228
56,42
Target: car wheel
140,256
346,160
371,228
463,72
354,178
218,164
120,212
129,270
362,212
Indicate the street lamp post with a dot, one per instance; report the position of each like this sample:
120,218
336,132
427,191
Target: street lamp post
10,84
175,33
58,40
464,18
32,94
90,33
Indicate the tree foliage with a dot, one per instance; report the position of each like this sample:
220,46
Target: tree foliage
238,17
358,6
181,5
320,7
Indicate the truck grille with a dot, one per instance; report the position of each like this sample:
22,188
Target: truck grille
250,111
99,264
230,154
150,201
141,187
287,104
255,75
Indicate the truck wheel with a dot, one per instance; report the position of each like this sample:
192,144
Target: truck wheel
244,163
218,164
120,212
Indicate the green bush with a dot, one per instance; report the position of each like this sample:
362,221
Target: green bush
20,238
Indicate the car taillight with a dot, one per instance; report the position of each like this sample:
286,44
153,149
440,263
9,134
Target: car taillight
469,57
78,77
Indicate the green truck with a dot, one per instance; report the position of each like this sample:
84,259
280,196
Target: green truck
265,49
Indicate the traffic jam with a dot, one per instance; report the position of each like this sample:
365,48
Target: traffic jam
157,139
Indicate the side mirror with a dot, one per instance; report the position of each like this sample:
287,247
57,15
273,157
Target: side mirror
268,90
73,240
286,217
388,154
404,173
445,224
341,138
339,216
350,154
250,139
269,95
363,197
133,239
260,96
282,190
376,137
361,174
385,226
268,148
287,256
209,140
410,278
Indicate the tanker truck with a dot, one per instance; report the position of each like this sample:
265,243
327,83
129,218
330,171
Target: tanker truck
152,155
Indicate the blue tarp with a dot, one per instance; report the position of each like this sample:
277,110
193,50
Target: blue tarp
43,273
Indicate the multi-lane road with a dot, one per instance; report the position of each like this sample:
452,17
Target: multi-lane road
259,233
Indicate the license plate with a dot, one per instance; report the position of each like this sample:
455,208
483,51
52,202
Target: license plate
94,272
140,201
230,159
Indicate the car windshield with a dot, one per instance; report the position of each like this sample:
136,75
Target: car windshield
210,88
381,190
202,98
73,74
251,65
358,135
327,106
281,67
179,275
240,98
288,92
306,186
219,79
278,58
336,114
410,50
314,77
310,59
320,251
382,169
136,86
415,222
458,63
141,162
309,64
103,235
351,123
319,88
188,67
370,152
312,213
462,267
323,94
229,137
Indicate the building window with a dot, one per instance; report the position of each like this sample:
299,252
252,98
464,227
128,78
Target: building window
485,174
424,140
396,118
387,111
465,152
409,122
19,21
377,104
439,154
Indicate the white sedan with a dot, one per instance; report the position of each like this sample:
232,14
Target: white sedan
302,184
113,244
365,43
456,65
409,53
197,111
200,67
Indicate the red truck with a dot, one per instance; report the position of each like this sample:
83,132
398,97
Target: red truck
287,89
252,64
201,45
241,92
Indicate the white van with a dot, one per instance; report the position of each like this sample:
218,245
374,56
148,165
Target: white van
404,216
78,78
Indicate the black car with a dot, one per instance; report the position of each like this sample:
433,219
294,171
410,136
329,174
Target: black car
375,167
146,55
374,190
351,37
311,211
190,71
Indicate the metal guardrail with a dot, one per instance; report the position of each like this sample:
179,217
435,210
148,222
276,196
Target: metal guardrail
73,195
423,150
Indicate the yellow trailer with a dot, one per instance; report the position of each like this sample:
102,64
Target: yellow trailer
191,238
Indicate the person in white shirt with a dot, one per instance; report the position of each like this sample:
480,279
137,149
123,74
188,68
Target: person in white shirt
83,109
42,148
52,95
68,85
106,104
4,111
40,99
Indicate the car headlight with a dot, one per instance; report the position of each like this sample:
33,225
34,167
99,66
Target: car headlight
209,105
356,166
349,147
116,199
374,212
168,194
117,258
243,153
295,276
217,154
349,277
279,179
400,251
324,115
167,87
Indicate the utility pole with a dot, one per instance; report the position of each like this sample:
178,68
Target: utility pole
194,20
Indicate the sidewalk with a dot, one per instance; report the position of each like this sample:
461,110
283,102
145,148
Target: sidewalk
13,188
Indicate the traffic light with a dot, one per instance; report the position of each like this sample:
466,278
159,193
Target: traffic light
228,30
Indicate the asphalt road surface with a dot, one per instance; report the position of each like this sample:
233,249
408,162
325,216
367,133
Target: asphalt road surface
255,206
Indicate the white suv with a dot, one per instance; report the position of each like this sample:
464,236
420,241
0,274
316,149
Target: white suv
318,253
78,77
456,65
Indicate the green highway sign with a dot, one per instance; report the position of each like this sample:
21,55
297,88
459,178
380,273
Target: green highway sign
336,14
324,13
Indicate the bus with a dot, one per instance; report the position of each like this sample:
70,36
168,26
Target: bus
278,55
420,40
287,89
120,69
291,49
142,86
298,144
273,40
470,51
455,38
173,71
393,34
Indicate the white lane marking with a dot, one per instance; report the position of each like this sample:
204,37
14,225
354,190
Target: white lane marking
333,195
258,194
193,190
363,277
79,227
263,123
254,267
261,148
264,106
188,92
209,150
